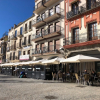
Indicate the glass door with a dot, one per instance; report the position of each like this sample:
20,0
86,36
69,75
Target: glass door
92,31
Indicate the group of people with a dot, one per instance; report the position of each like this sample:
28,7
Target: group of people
60,75
91,77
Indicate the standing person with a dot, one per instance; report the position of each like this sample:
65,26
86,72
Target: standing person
64,76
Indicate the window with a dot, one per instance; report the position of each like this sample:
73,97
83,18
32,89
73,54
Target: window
16,33
30,25
23,52
51,12
20,43
91,4
43,16
38,19
50,46
10,56
75,35
28,52
19,53
57,44
57,26
51,29
25,27
92,31
24,40
21,30
75,8
29,39
13,55
57,9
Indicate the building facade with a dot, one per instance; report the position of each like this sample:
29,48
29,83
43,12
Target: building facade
82,30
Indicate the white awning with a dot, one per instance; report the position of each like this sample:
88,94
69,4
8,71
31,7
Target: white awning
53,61
80,58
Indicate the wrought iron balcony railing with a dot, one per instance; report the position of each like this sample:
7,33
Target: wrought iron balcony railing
83,37
13,37
47,49
8,49
20,34
82,9
49,31
36,51
13,47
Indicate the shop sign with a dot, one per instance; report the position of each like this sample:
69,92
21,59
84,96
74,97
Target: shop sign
24,57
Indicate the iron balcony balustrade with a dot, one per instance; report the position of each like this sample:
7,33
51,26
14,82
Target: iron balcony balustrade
83,9
48,17
52,49
37,37
90,36
19,46
13,37
3,43
13,47
25,30
30,27
52,15
52,31
20,34
24,44
36,52
29,42
13,58
48,33
8,49
42,5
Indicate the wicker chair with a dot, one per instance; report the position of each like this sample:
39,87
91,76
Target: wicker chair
77,78
86,78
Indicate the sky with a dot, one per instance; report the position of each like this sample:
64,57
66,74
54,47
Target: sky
13,12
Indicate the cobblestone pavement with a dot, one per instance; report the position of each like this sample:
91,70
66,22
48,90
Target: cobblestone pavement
12,88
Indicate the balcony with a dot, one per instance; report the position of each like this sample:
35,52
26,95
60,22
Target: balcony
43,4
53,15
13,59
83,9
25,30
50,32
24,44
29,43
38,22
20,34
48,17
36,52
37,37
52,49
19,46
12,37
8,49
83,39
13,47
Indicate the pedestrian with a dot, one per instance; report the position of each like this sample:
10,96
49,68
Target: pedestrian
64,76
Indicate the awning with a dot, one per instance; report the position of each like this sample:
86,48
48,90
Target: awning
80,58
53,61
37,62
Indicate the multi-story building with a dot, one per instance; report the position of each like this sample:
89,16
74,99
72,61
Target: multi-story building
3,44
82,33
49,34
19,44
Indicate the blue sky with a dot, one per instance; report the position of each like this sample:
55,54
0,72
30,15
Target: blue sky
14,11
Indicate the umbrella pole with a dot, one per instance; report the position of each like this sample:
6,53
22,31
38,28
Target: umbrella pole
80,72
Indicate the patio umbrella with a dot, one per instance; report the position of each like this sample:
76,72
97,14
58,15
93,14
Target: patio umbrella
79,59
53,61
